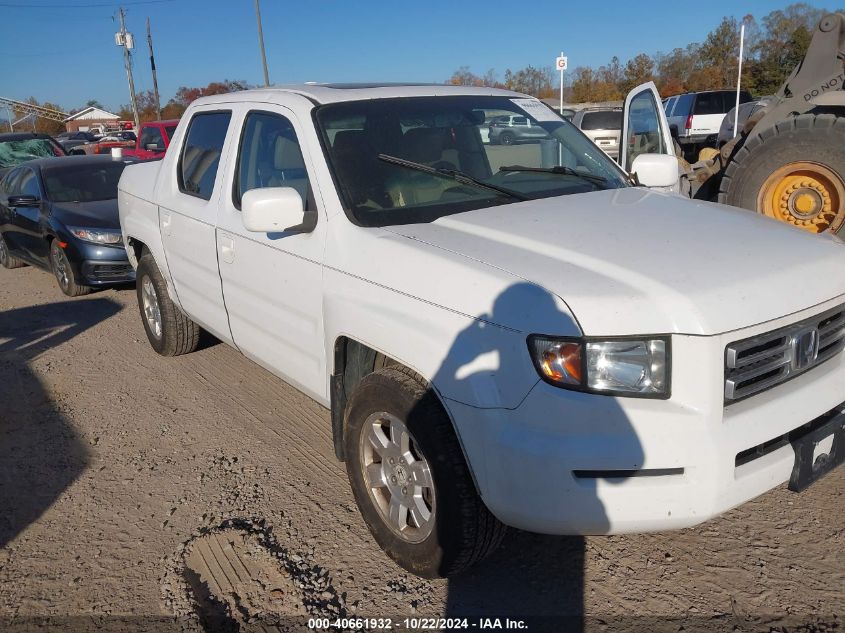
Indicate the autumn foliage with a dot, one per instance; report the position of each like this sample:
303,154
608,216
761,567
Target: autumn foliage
774,45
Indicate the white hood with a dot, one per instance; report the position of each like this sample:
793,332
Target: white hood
634,261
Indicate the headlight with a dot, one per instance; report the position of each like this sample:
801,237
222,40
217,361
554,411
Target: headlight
624,367
96,236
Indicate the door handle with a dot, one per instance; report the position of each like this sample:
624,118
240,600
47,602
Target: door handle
227,249
165,222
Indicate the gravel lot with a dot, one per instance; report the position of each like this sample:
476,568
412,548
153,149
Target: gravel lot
113,461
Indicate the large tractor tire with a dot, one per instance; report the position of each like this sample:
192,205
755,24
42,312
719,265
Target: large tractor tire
793,172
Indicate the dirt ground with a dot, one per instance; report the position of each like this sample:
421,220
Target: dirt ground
114,461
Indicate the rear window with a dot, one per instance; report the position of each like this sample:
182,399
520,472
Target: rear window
16,152
604,120
710,103
201,153
683,105
719,102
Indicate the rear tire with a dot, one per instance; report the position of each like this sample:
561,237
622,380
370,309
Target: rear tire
447,526
793,172
64,274
7,260
169,330
506,138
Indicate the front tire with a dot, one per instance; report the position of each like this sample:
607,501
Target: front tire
792,172
169,331
410,480
63,271
7,260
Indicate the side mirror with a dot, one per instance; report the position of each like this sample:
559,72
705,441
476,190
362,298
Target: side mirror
24,201
272,210
656,170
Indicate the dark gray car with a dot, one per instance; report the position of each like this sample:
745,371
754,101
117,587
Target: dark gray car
510,129
69,140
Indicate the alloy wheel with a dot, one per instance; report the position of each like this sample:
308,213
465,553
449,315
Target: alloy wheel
398,477
150,306
60,266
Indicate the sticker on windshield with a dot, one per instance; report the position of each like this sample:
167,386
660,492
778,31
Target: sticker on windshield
536,109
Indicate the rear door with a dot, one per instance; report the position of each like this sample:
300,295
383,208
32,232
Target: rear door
189,187
645,129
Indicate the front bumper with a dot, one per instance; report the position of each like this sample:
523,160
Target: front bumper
99,265
101,273
565,462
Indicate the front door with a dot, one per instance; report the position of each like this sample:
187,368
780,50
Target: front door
189,187
272,282
645,129
27,219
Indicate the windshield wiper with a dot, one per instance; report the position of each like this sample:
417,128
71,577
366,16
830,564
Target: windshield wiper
452,174
557,169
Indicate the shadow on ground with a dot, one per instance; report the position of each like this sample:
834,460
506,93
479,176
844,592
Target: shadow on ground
40,453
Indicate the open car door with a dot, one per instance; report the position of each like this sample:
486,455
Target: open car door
646,146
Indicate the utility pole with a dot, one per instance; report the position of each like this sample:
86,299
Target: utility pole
124,39
153,66
261,44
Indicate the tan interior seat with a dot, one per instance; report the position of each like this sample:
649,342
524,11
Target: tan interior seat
427,146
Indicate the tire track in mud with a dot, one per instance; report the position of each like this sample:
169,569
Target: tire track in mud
240,573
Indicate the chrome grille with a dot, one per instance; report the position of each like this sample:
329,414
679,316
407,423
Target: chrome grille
761,362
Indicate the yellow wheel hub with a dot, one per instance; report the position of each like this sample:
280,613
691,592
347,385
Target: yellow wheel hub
807,195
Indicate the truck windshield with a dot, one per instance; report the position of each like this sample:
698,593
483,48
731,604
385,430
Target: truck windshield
415,159
82,182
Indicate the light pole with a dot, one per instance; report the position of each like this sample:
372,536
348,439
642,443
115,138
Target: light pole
739,78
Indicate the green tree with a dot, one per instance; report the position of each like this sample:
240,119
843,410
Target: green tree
638,70
538,82
719,53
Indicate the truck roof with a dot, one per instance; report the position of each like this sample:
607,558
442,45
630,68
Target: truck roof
333,93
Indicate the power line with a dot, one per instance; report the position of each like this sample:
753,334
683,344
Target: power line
80,6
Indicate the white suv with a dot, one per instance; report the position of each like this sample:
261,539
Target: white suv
695,117
504,335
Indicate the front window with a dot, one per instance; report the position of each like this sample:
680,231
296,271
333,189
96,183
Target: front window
82,183
407,160
645,134
151,136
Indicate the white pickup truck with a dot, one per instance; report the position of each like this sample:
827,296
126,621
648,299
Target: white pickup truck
504,334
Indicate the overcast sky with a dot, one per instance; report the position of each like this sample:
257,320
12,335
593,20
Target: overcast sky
63,50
